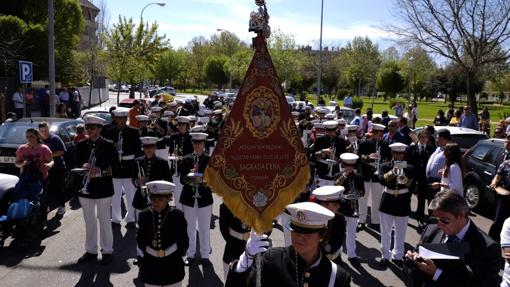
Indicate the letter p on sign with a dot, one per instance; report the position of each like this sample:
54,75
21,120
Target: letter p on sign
25,72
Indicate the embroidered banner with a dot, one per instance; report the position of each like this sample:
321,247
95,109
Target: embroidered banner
259,165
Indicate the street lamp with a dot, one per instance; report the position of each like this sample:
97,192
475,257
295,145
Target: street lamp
320,57
410,62
161,4
230,73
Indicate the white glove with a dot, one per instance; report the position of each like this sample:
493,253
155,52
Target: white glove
256,244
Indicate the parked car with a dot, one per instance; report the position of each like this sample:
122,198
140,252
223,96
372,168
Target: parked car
7,184
168,89
290,100
464,137
102,112
12,135
481,163
230,97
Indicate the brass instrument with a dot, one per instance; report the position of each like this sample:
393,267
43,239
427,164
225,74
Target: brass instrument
377,160
88,175
196,177
120,142
398,168
353,140
353,195
331,161
173,159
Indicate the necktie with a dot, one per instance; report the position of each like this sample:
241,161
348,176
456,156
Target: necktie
452,239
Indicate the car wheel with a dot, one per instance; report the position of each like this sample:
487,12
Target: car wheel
472,195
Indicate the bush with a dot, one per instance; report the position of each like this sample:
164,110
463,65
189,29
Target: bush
357,102
394,101
342,93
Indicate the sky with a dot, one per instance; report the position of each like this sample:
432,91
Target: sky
181,20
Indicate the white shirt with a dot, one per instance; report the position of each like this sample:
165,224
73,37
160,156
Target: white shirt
64,96
505,243
348,101
435,163
453,180
17,99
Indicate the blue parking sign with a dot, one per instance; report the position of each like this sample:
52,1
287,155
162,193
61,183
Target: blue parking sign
25,72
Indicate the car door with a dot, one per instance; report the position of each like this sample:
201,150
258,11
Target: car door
67,132
492,161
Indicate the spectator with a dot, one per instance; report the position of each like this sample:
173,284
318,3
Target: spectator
481,254
440,119
437,160
415,112
133,112
75,102
450,114
455,121
29,98
61,111
498,133
17,100
432,136
409,115
501,186
505,245
385,119
358,121
399,109
44,100
348,101
468,119
404,129
485,114
452,172
393,135
80,133
34,158
56,176
64,97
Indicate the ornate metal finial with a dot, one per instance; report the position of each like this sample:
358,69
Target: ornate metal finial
259,20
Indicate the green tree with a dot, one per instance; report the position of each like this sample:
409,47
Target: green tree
417,67
237,65
362,60
214,70
168,67
389,79
199,50
282,48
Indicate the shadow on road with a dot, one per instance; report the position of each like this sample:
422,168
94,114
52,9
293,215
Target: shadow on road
206,277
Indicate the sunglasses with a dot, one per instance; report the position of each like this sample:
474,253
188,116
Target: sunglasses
435,220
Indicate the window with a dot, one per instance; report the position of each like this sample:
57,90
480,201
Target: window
480,151
493,155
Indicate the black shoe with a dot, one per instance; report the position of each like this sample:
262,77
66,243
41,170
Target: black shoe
205,262
383,263
107,259
398,263
131,225
87,257
360,227
188,261
375,227
137,261
354,261
115,224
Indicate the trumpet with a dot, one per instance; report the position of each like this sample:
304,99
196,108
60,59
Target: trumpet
196,177
143,187
378,160
353,144
173,161
119,145
88,175
398,169
331,161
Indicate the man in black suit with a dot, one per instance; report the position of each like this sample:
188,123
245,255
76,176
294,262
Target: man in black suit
404,130
481,253
418,155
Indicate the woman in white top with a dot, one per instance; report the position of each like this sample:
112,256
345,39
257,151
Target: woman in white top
452,173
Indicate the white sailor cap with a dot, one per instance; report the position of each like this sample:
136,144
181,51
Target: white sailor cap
188,100
218,112
156,109
160,187
197,129
295,114
203,120
330,116
328,192
398,147
318,125
192,118
349,158
207,112
142,118
182,120
352,128
179,101
120,113
168,114
341,122
198,136
308,217
378,127
172,104
149,140
322,111
330,125
93,120
218,104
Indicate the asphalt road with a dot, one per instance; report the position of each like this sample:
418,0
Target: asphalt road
52,262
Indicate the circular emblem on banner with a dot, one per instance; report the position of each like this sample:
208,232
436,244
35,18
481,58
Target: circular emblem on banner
262,112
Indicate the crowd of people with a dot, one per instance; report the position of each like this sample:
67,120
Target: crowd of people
364,174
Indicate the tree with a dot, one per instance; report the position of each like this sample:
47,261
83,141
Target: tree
470,33
237,65
362,60
214,69
389,79
198,49
282,48
169,66
417,67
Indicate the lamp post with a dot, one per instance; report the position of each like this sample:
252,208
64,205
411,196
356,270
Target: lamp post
51,56
320,56
410,60
161,4
230,73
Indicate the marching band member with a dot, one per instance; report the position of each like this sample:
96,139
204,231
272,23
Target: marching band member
214,127
373,152
352,138
147,168
192,121
301,264
397,177
99,156
235,234
171,123
179,145
329,145
127,141
163,238
196,199
329,197
353,190
144,131
342,128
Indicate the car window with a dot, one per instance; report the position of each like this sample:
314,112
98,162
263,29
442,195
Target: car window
480,151
12,133
71,130
493,155
62,133
466,141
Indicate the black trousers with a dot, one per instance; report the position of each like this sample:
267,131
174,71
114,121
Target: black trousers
424,194
502,213
55,187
